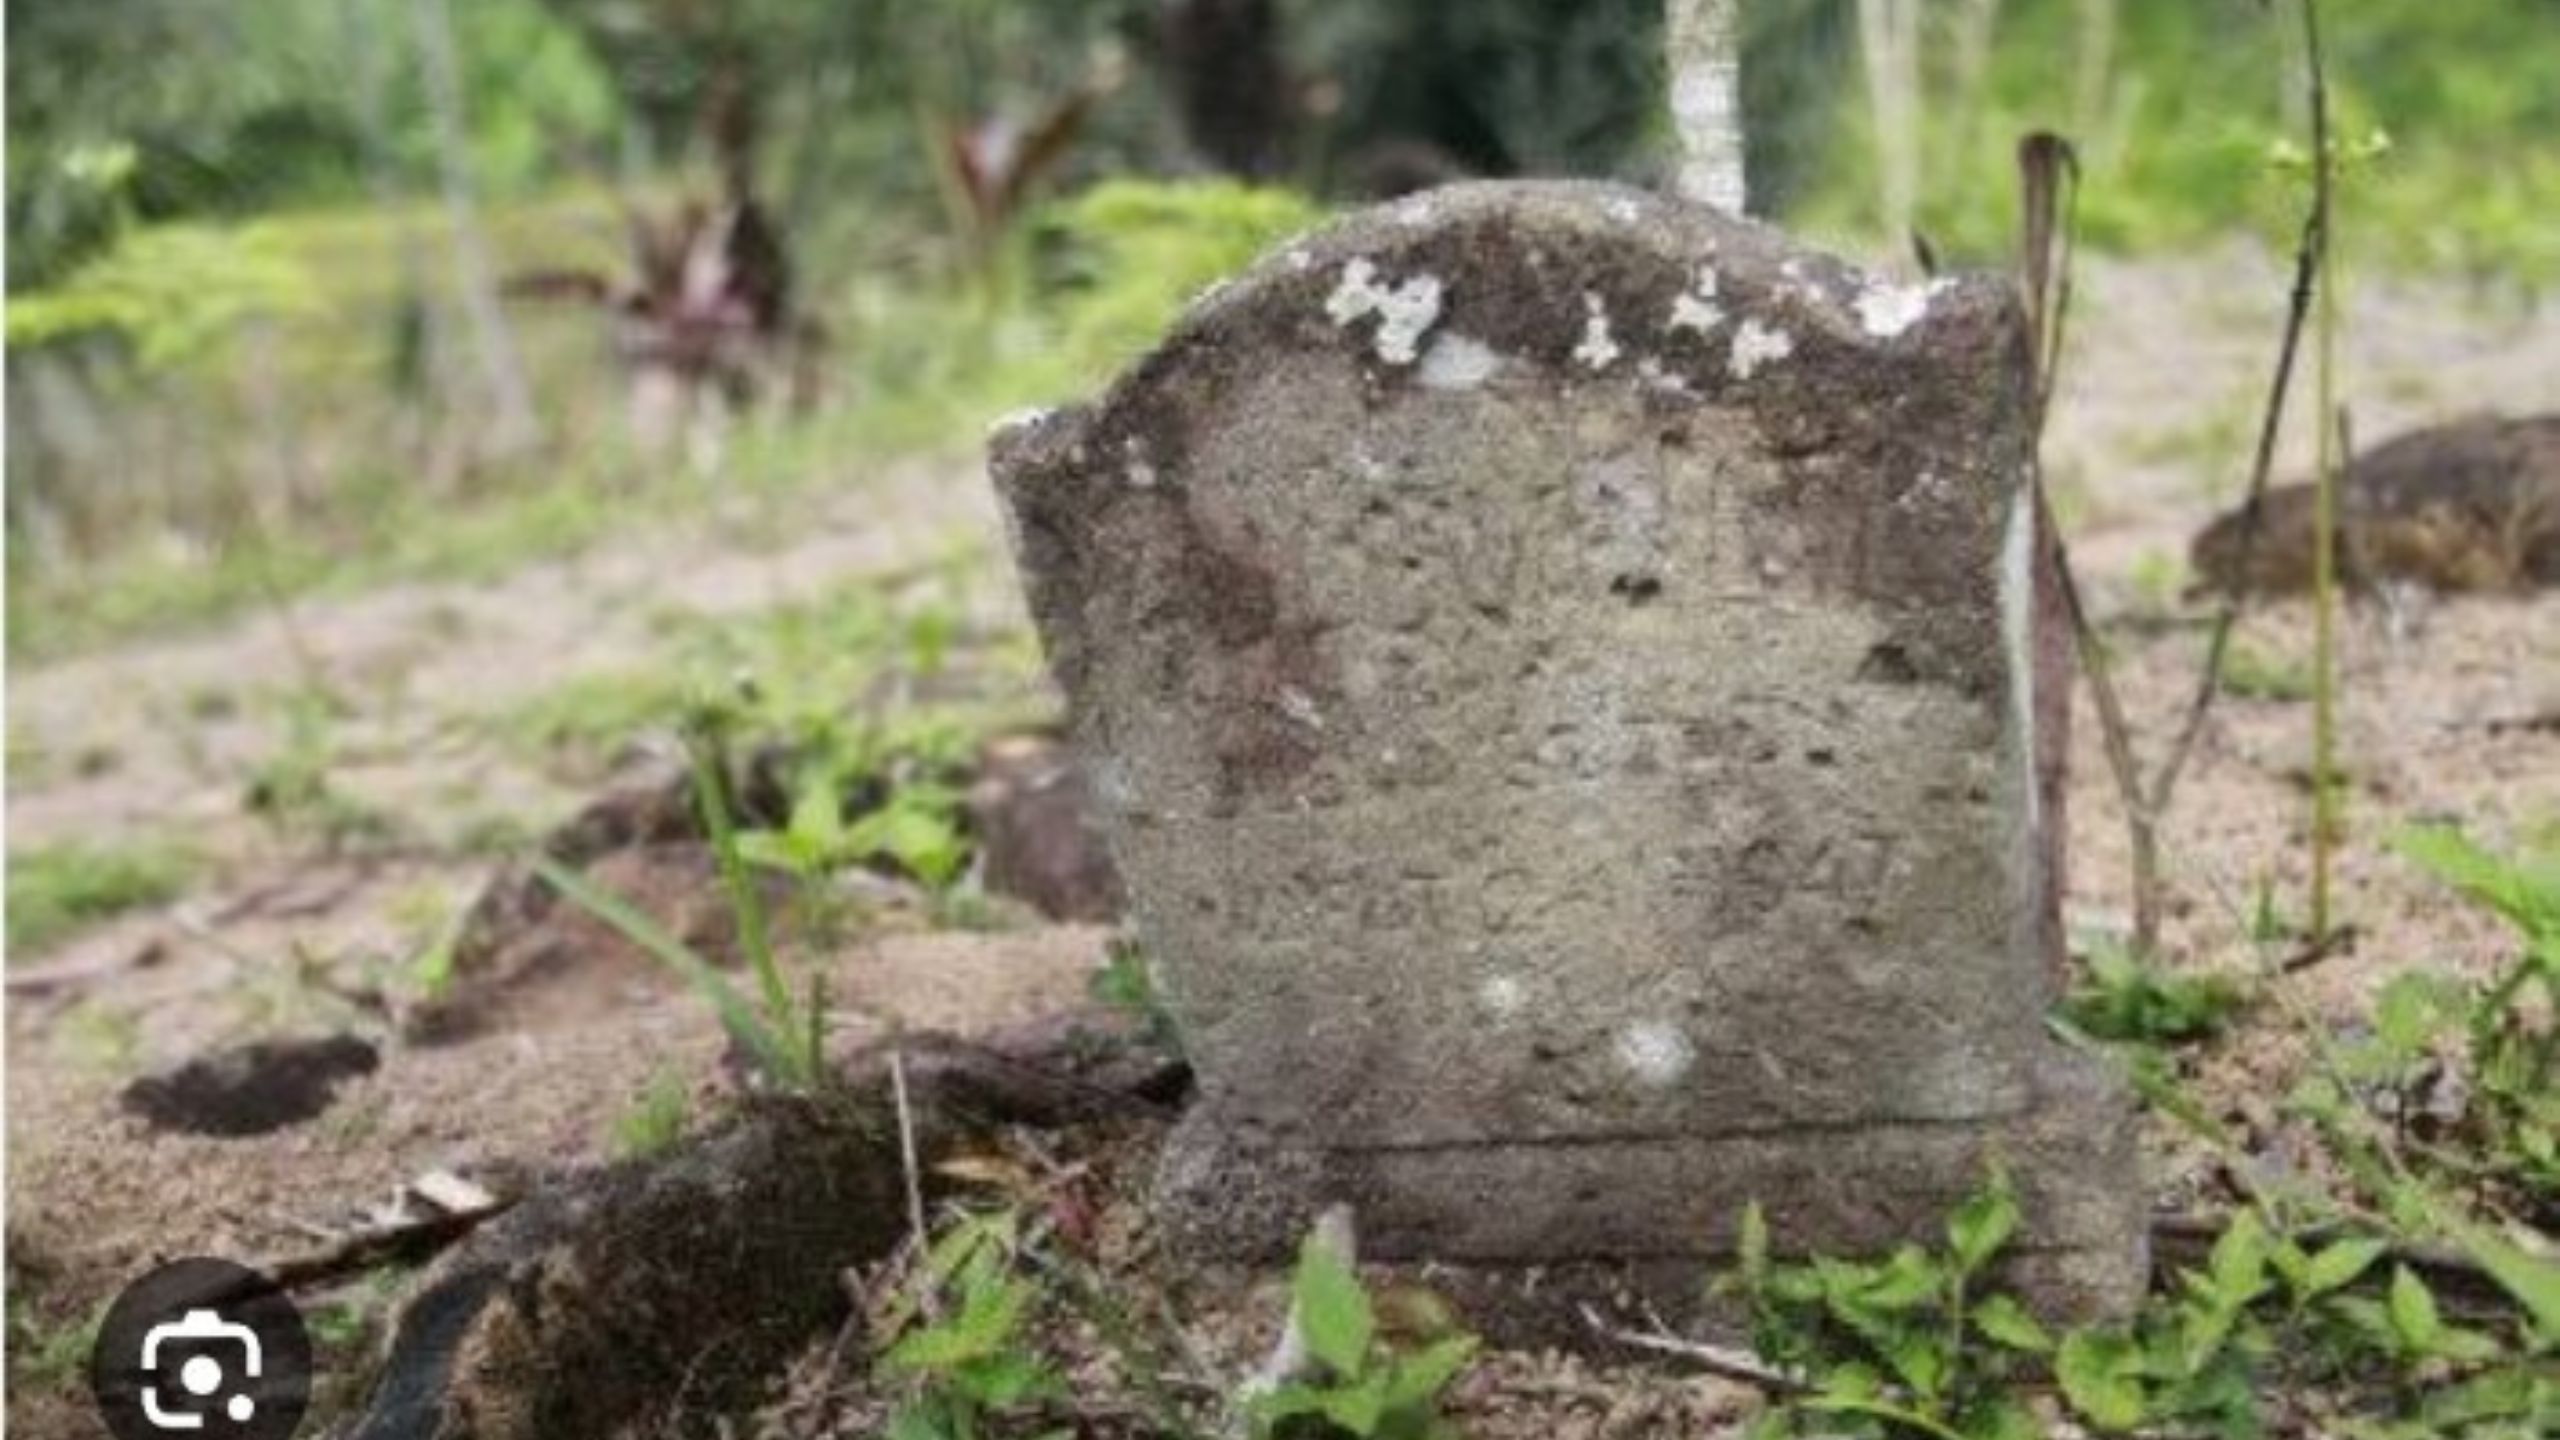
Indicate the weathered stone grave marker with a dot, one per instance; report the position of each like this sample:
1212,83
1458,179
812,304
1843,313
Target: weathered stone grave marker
1571,690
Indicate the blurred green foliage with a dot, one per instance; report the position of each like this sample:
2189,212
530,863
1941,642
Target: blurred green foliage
236,344
133,111
2178,111
55,890
168,292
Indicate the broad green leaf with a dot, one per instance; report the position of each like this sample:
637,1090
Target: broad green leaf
2004,1321
1983,1223
1356,1408
2533,1281
1918,1355
2511,1392
817,818
2413,1311
2339,1264
1417,1378
954,1247
1909,1280
2525,890
1852,1379
2368,1315
1007,1379
2238,1266
1295,1398
2100,1372
2204,1327
985,1325
2466,1347
1333,1311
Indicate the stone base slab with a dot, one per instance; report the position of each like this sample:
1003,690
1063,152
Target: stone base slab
1652,1217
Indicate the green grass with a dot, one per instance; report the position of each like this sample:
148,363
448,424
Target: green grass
56,890
49,1356
2177,141
921,360
2250,673
891,658
654,1120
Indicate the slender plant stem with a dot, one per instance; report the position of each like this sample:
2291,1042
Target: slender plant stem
719,817
2307,255
2324,541
2046,165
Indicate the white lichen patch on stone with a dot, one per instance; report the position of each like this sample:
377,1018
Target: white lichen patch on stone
1597,348
1886,309
1502,996
1405,311
1142,476
1756,345
1297,258
1301,707
1695,308
1792,280
1624,210
1458,362
1656,1053
1416,212
1661,377
1930,488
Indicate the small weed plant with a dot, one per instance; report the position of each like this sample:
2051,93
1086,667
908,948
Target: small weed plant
1360,1385
2269,1334
2122,998
654,1120
956,1339
2317,1310
1909,1345
57,890
1126,984
783,1033
964,1346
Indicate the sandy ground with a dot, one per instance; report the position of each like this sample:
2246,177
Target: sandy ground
2448,714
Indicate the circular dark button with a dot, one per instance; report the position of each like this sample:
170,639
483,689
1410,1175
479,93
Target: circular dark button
202,1348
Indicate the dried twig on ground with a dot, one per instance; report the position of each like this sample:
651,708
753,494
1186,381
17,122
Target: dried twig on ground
1717,1360
410,1242
907,1156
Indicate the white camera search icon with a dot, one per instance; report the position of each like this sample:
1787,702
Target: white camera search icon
202,1374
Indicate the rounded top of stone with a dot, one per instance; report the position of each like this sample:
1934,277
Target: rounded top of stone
1584,281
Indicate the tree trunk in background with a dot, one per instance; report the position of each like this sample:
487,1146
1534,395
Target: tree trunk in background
2097,62
371,57
1704,41
1889,38
1222,60
513,427
1977,25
